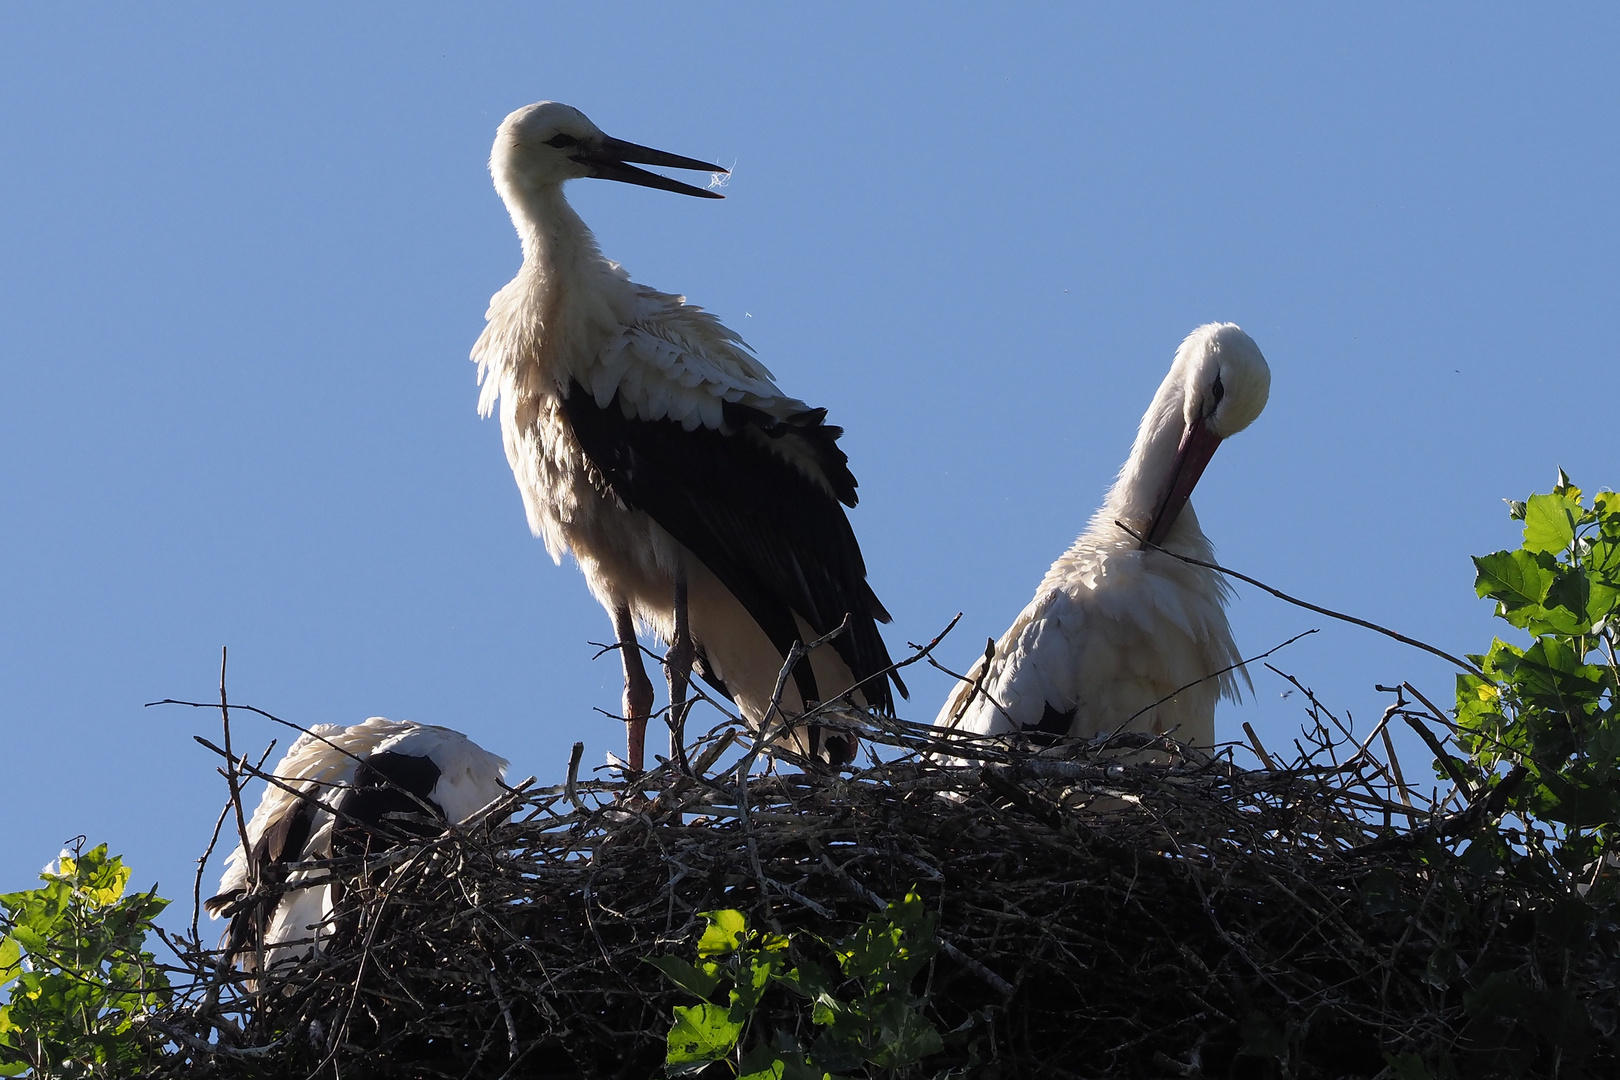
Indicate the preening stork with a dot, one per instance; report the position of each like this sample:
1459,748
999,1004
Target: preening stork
354,790
701,502
1115,626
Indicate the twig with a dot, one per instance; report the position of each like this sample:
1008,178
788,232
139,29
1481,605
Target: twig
571,790
1444,759
1213,675
1439,716
232,781
1260,751
1395,766
1279,594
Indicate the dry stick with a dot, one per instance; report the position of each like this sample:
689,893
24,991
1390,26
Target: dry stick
1441,756
921,652
571,790
1378,729
202,863
746,763
1439,716
359,974
1361,751
233,782
1279,594
1395,766
1378,768
978,686
1260,751
709,756
506,1014
427,807
272,717
275,781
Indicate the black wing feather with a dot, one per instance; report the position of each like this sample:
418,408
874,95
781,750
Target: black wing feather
773,536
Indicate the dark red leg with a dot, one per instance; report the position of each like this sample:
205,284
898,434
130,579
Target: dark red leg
638,690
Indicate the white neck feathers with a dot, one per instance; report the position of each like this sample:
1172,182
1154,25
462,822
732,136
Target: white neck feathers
1142,480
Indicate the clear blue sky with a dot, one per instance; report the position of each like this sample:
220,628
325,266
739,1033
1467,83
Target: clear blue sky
243,256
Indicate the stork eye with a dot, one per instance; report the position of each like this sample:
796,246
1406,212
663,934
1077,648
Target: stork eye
562,141
1218,390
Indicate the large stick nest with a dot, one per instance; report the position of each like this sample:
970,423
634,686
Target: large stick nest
1124,908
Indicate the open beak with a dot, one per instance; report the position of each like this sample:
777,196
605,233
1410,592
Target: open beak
610,161
1198,445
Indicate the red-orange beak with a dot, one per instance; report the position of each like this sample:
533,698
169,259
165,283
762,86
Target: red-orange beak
1198,445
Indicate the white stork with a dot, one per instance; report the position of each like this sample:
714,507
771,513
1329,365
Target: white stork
1117,628
700,501
350,787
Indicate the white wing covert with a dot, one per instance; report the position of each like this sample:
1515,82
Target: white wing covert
673,360
1032,674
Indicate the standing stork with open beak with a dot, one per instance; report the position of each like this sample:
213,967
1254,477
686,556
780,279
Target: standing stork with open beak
1119,632
701,501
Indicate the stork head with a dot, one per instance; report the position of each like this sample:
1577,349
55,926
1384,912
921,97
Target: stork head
544,144
1223,384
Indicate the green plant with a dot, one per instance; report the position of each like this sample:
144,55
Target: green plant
1542,725
881,1026
82,987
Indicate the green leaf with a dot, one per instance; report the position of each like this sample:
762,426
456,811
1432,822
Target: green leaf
1408,1066
761,1063
699,982
747,990
904,1036
1516,578
1584,596
868,951
724,932
10,957
700,1034
828,1011
1549,522
809,979
1550,676
30,939
1578,805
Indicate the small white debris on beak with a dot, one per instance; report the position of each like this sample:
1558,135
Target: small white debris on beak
720,180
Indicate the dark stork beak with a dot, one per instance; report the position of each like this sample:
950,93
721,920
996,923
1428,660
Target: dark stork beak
1198,445
610,161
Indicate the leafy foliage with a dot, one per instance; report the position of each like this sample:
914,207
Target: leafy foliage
82,986
880,1027
1542,724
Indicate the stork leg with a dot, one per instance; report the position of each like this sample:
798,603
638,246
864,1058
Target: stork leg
638,690
678,666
